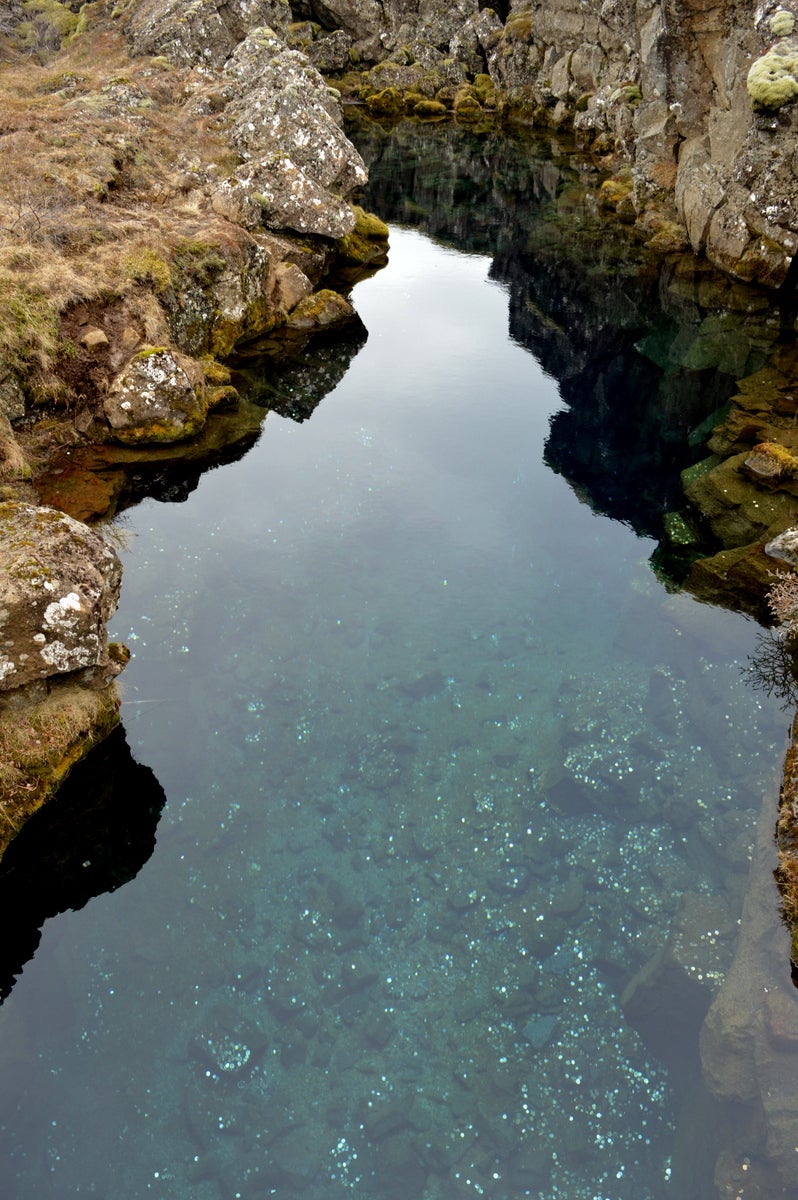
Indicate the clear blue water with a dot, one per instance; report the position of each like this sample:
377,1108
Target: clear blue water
445,767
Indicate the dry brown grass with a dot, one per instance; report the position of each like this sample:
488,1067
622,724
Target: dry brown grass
96,148
40,743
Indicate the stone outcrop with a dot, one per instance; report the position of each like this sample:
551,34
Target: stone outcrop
59,584
154,399
206,31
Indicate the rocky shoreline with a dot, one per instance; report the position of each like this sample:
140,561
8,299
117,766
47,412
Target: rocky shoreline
191,189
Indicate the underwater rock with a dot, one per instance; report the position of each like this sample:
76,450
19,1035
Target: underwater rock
228,1044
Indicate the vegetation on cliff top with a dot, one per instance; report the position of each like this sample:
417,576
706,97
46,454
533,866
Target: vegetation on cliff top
95,202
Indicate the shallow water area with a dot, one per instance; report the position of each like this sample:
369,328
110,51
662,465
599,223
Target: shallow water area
446,768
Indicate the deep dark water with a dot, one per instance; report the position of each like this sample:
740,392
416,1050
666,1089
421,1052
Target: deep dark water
447,769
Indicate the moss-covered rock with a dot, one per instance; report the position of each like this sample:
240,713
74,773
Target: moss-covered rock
771,461
773,79
429,108
156,398
41,741
325,309
367,244
389,102
737,511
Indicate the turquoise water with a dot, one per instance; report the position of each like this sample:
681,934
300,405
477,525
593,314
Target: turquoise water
446,767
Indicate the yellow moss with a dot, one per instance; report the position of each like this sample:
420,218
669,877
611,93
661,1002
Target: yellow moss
388,102
782,23
518,27
145,266
773,78
368,241
40,743
216,373
429,108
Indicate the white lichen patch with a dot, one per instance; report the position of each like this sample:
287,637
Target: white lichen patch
71,658
58,615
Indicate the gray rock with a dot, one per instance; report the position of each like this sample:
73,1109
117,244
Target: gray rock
784,547
154,400
283,107
12,398
205,31
539,1031
59,584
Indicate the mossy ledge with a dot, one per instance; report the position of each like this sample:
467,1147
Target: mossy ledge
40,742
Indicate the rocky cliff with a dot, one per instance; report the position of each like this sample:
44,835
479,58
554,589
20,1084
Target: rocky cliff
695,96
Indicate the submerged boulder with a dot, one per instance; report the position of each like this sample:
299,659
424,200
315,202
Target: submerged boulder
59,584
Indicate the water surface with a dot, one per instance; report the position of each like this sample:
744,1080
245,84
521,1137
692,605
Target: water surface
446,768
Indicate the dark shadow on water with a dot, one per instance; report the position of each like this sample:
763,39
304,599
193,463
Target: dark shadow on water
92,837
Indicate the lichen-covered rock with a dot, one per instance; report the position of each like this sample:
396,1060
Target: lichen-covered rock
784,547
204,31
276,193
59,584
154,399
287,124
285,103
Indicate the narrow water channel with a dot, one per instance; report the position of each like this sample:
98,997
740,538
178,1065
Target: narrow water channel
447,768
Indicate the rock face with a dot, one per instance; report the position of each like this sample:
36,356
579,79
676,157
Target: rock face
155,400
698,98
206,31
287,125
59,584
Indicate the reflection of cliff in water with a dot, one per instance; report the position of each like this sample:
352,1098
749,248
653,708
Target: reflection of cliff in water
645,350
93,481
93,836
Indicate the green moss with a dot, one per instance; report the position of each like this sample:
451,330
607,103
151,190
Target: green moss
216,373
388,102
627,93
429,108
199,260
368,241
782,23
773,78
145,266
518,27
51,23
